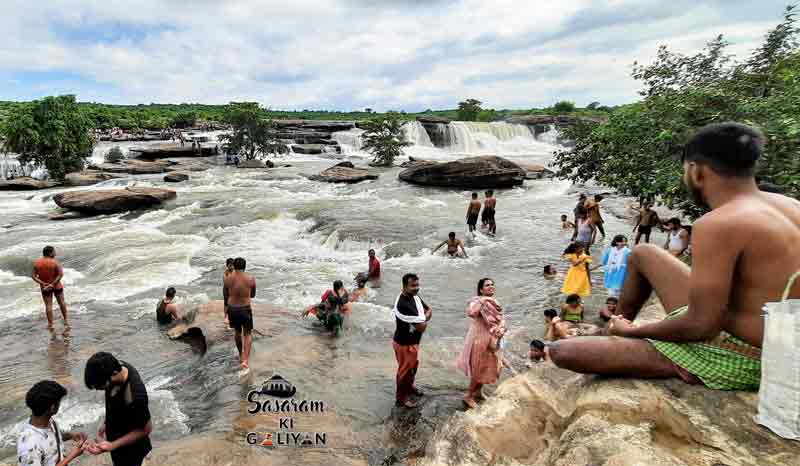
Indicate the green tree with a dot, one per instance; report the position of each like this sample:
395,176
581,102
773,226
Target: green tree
469,110
184,119
637,150
384,138
251,135
114,155
52,133
564,106
593,106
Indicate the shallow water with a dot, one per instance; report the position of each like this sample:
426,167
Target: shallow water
298,236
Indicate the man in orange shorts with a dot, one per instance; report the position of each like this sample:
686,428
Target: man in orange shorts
47,272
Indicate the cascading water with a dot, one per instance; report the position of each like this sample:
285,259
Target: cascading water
416,134
550,136
349,141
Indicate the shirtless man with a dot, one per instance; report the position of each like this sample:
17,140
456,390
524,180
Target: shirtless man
453,246
47,272
719,300
566,224
593,210
489,208
167,310
645,221
241,288
473,210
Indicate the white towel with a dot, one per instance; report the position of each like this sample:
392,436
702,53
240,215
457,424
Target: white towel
417,319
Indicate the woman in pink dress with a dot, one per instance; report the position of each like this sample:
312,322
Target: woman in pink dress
480,358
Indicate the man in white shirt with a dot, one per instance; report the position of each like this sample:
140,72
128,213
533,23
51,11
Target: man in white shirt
41,441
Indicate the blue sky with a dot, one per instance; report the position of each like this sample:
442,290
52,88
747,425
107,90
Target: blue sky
352,54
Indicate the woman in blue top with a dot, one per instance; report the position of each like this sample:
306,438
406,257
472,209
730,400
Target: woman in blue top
615,262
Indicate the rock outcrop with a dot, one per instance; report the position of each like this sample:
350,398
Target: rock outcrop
88,177
251,164
486,171
559,120
133,167
176,177
552,417
203,327
109,201
26,183
535,172
433,120
163,152
344,172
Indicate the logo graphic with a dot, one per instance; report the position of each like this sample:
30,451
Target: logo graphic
279,387
267,442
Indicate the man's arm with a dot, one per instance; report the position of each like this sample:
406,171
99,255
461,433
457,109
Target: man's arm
638,221
710,288
253,288
35,277
127,439
439,246
59,276
461,245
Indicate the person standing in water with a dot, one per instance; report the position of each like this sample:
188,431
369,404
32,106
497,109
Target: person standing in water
411,319
593,210
615,261
473,211
241,289
374,269
47,272
577,279
489,209
584,231
455,247
645,221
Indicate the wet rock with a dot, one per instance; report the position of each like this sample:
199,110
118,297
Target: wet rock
308,148
176,177
188,165
344,172
552,417
163,152
535,172
109,201
88,177
486,171
133,167
25,183
433,119
251,164
412,161
319,125
204,325
559,120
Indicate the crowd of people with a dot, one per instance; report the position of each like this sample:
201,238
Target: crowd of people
712,334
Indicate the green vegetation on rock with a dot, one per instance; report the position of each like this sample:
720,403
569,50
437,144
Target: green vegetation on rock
637,150
251,135
114,155
384,138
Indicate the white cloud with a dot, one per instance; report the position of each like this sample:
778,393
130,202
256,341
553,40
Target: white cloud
351,54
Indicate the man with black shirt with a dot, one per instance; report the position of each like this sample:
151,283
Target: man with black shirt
125,431
411,316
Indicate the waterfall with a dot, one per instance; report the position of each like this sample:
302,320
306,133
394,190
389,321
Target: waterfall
349,141
550,136
487,138
416,134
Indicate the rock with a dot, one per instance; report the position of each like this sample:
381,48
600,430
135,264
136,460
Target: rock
412,162
109,201
308,148
251,164
548,416
133,167
203,326
434,120
535,172
88,177
26,183
344,172
269,164
319,125
187,165
176,177
163,152
560,120
486,171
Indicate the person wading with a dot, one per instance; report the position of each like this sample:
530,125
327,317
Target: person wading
239,313
411,319
47,272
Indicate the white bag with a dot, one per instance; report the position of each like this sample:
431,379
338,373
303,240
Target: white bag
779,395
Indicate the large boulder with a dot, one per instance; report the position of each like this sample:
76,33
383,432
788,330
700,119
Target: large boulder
251,164
204,325
133,167
344,172
25,183
163,152
535,171
88,177
486,171
176,177
433,119
308,148
109,201
548,416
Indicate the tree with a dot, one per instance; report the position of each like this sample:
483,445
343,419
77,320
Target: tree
637,150
184,120
114,155
469,110
368,110
52,133
564,106
593,106
251,134
384,138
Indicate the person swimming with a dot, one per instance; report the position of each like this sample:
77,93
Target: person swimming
455,247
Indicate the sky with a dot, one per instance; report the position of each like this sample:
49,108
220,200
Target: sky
407,55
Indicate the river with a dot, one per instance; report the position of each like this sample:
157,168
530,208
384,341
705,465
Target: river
298,236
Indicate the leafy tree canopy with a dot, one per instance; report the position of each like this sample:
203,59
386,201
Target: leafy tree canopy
469,110
564,106
251,135
384,138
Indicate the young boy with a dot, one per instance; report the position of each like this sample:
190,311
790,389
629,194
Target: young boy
572,311
40,440
537,352
566,224
610,309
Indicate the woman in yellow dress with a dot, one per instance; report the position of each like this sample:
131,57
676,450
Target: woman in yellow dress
577,279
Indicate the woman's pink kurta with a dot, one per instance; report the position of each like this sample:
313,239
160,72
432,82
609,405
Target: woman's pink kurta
479,360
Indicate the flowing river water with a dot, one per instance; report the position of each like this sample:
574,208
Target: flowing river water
298,236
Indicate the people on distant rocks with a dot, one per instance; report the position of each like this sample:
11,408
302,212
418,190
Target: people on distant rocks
744,251
610,310
489,210
241,288
333,307
577,278
677,237
40,438
411,319
592,207
47,273
645,221
584,232
550,272
125,430
572,309
615,262
455,247
167,310
473,210
566,224
481,359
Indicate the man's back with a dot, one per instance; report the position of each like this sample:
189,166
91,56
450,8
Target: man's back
475,206
240,287
47,269
764,230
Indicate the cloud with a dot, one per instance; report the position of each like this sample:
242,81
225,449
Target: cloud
351,54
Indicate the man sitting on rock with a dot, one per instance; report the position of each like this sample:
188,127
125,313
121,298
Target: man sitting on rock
744,251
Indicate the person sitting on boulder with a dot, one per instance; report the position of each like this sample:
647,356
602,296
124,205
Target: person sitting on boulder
715,326
167,310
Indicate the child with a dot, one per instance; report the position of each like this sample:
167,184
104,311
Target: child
566,224
549,271
537,352
577,279
572,311
610,309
